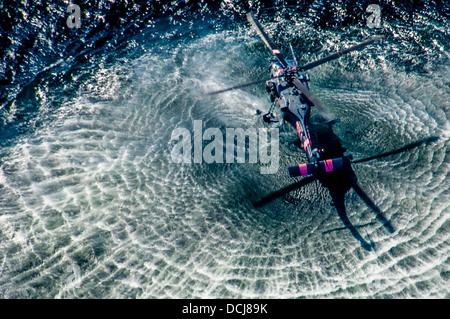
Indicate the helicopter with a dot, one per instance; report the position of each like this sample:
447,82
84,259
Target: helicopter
289,89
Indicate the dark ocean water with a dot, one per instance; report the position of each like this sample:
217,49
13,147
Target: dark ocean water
91,205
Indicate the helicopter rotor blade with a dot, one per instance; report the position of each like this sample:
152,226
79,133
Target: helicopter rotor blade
313,100
339,54
266,39
272,196
240,86
399,150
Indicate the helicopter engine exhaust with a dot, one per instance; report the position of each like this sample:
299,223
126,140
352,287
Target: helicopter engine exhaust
326,166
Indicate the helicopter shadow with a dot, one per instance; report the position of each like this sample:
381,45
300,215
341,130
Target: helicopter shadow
338,184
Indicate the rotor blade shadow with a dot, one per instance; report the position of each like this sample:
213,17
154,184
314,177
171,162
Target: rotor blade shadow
344,228
386,223
272,196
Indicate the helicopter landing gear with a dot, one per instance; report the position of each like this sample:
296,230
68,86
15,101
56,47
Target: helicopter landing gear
269,118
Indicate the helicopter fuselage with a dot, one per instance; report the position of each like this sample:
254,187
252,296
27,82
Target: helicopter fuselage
293,104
